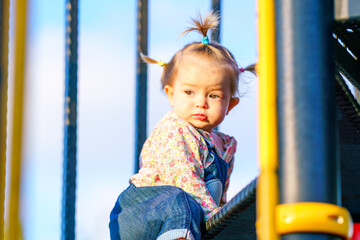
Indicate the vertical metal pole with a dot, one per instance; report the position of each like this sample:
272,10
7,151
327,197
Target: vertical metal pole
70,128
308,164
341,9
215,34
141,80
18,116
4,51
267,190
216,7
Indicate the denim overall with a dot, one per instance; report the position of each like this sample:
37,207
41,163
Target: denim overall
165,212
215,174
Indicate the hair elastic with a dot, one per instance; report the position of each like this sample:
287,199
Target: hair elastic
161,63
242,70
205,40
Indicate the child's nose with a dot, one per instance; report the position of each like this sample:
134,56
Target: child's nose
201,102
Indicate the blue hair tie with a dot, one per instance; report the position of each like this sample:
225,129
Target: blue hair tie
205,40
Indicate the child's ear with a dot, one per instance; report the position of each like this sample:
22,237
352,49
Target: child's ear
233,102
169,90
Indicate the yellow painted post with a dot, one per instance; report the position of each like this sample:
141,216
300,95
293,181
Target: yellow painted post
267,190
4,34
16,147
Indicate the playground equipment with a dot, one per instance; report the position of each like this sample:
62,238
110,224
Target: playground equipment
70,120
306,111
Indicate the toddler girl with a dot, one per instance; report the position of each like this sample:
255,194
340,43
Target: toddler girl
185,164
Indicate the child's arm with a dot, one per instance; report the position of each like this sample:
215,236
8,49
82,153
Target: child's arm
184,152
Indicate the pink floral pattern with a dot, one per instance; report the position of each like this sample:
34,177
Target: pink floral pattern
176,154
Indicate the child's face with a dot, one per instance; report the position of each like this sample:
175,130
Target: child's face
200,96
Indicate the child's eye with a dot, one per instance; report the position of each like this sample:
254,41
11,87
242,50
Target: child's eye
213,96
188,92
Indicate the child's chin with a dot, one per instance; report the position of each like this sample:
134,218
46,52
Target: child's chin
205,127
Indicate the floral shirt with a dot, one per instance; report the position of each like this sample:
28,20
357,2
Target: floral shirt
176,154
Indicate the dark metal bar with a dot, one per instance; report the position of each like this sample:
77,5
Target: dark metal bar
141,80
346,38
70,128
215,34
308,164
236,220
4,51
216,7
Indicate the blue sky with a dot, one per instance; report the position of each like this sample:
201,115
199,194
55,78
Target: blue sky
106,98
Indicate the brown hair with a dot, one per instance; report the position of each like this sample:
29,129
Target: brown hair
217,55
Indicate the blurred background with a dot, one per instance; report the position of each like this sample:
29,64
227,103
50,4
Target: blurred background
106,102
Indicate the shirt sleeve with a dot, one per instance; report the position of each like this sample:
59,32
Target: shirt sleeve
183,165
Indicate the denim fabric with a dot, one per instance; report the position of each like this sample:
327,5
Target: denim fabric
215,174
215,189
165,212
161,212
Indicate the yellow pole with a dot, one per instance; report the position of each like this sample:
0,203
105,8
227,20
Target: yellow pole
267,190
16,147
3,105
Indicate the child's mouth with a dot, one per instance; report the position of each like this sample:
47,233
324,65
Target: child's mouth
200,117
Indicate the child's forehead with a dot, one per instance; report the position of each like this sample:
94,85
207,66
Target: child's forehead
195,65
195,75
196,70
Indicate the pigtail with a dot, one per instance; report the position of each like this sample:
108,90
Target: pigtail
251,68
150,60
211,21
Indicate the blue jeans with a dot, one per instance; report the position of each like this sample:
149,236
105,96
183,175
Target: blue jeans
161,212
